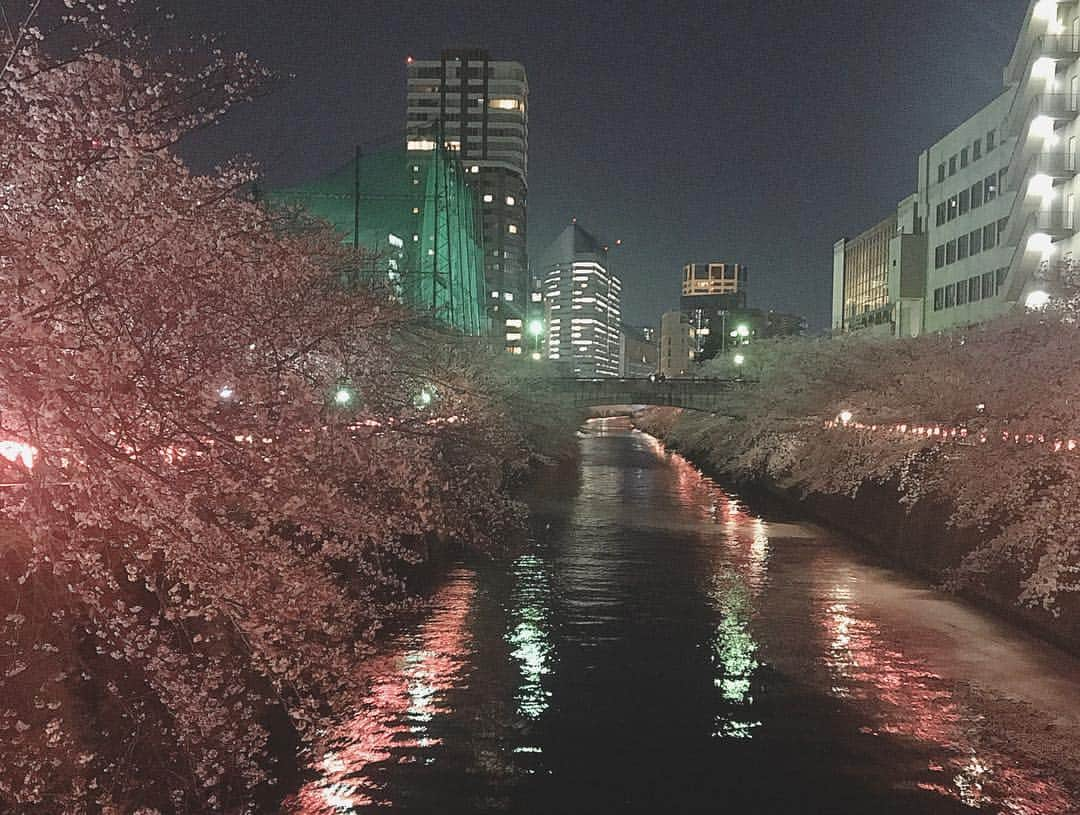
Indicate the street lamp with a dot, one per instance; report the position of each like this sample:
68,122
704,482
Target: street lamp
424,398
536,328
744,331
226,393
739,359
342,396
1037,300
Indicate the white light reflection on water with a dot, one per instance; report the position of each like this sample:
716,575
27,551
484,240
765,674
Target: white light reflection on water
741,545
407,692
530,636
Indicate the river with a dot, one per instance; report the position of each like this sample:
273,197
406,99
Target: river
660,647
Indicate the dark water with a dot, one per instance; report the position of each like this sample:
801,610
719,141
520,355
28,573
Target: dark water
662,649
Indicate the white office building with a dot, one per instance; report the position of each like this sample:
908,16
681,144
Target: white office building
582,302
996,197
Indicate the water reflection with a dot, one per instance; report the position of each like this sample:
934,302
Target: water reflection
392,722
734,653
530,636
663,649
903,699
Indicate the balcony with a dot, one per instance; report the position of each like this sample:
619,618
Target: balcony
1050,106
1052,46
1053,224
1059,165
1057,222
1029,212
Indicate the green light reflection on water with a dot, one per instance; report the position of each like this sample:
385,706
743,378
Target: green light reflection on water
734,656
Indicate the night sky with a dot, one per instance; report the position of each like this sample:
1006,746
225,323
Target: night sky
749,131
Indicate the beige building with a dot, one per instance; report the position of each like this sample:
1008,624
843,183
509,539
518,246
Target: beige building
676,345
701,279
879,277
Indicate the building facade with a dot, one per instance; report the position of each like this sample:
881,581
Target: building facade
996,197
639,354
861,278
716,280
780,324
478,108
677,343
582,300
879,277
713,296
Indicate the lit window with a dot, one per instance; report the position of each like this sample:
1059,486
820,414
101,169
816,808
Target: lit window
476,168
416,210
421,144
510,200
489,198
513,323
505,104
537,297
494,295
513,336
512,229
509,297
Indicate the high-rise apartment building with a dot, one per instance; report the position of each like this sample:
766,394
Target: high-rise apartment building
582,299
478,107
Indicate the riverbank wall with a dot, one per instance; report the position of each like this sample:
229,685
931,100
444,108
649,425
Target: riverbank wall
917,539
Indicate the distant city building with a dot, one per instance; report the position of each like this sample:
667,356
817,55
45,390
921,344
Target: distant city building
479,108
582,299
713,287
677,344
713,294
639,353
993,222
711,279
879,277
779,324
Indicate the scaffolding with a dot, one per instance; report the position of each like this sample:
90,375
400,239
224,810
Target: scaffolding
417,219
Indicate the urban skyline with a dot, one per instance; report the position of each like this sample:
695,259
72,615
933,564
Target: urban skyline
618,140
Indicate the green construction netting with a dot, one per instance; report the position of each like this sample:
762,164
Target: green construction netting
419,221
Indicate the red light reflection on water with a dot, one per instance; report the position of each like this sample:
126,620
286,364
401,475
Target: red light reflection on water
408,689
908,701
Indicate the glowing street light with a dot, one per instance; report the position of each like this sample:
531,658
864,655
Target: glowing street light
536,327
1037,300
845,417
424,398
536,356
226,393
739,359
744,331
343,396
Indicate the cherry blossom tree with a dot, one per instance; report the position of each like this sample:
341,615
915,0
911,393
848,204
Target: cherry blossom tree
983,421
220,461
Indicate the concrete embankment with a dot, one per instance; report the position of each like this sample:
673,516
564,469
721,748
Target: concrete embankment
917,539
